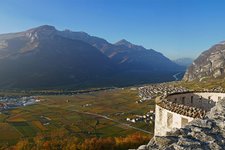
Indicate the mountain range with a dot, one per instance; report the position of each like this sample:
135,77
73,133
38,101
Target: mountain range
45,57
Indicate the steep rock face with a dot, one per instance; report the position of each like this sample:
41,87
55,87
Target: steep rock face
201,134
210,64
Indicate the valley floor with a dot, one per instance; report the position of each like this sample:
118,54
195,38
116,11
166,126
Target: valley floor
118,115
88,115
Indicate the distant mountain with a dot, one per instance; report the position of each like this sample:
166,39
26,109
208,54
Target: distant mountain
45,57
41,58
210,64
127,55
186,62
136,64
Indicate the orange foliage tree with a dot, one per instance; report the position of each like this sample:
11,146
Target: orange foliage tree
61,140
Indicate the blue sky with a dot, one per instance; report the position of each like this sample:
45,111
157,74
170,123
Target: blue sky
177,28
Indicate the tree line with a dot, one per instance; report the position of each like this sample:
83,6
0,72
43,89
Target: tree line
60,140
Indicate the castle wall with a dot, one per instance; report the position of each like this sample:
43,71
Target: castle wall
166,120
201,100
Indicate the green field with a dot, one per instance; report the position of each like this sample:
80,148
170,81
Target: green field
81,115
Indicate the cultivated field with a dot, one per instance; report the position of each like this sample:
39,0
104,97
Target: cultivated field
94,114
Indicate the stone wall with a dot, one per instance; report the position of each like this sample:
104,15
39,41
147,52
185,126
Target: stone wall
166,120
203,100
176,110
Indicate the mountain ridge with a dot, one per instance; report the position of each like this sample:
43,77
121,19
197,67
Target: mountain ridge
53,57
126,53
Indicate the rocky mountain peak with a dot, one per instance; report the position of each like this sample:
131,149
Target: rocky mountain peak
124,42
41,32
43,28
129,45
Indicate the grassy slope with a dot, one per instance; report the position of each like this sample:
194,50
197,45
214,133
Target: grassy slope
206,84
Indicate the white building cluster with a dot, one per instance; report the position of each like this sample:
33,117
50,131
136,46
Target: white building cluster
16,101
148,118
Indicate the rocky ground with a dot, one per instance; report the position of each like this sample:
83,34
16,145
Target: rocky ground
200,134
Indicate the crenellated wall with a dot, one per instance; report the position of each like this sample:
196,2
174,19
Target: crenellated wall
203,100
176,110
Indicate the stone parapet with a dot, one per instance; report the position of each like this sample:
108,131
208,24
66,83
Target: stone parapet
182,109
